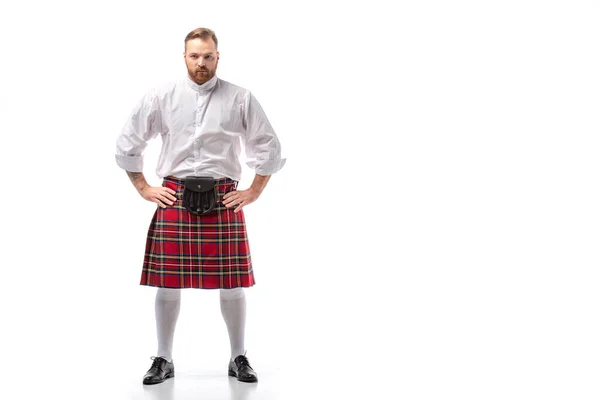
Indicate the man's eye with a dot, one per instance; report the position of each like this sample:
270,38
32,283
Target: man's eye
208,57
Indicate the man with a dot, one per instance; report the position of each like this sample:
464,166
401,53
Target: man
203,122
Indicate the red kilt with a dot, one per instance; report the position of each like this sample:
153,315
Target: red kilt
188,251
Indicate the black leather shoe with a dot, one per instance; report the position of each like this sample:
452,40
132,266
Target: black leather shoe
241,369
160,370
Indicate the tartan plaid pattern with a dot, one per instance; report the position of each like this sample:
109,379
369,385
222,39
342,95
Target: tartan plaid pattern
188,251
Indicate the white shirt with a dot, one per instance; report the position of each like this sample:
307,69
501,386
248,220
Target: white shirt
202,128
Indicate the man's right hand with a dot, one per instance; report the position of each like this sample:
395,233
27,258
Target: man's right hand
160,195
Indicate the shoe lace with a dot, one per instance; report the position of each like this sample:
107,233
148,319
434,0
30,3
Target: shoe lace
156,363
242,360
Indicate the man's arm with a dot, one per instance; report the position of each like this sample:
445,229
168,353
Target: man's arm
241,198
143,124
138,180
263,153
259,183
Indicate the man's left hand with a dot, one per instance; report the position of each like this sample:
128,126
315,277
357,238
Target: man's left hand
239,198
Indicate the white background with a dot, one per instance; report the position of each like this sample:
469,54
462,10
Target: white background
433,235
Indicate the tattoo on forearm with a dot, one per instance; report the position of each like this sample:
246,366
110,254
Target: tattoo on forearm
134,176
138,180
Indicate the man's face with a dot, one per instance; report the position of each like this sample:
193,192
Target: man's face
201,58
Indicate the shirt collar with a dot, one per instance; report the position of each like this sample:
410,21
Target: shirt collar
205,87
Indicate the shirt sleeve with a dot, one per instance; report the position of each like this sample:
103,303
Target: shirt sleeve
142,125
262,147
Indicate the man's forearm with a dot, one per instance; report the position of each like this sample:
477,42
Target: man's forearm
138,180
259,183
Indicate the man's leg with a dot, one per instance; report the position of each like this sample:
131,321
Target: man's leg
233,308
166,307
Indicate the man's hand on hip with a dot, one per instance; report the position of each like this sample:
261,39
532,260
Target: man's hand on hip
239,198
160,195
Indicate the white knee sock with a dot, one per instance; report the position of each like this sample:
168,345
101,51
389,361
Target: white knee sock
166,308
233,308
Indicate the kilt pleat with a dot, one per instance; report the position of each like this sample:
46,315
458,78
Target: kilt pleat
188,251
